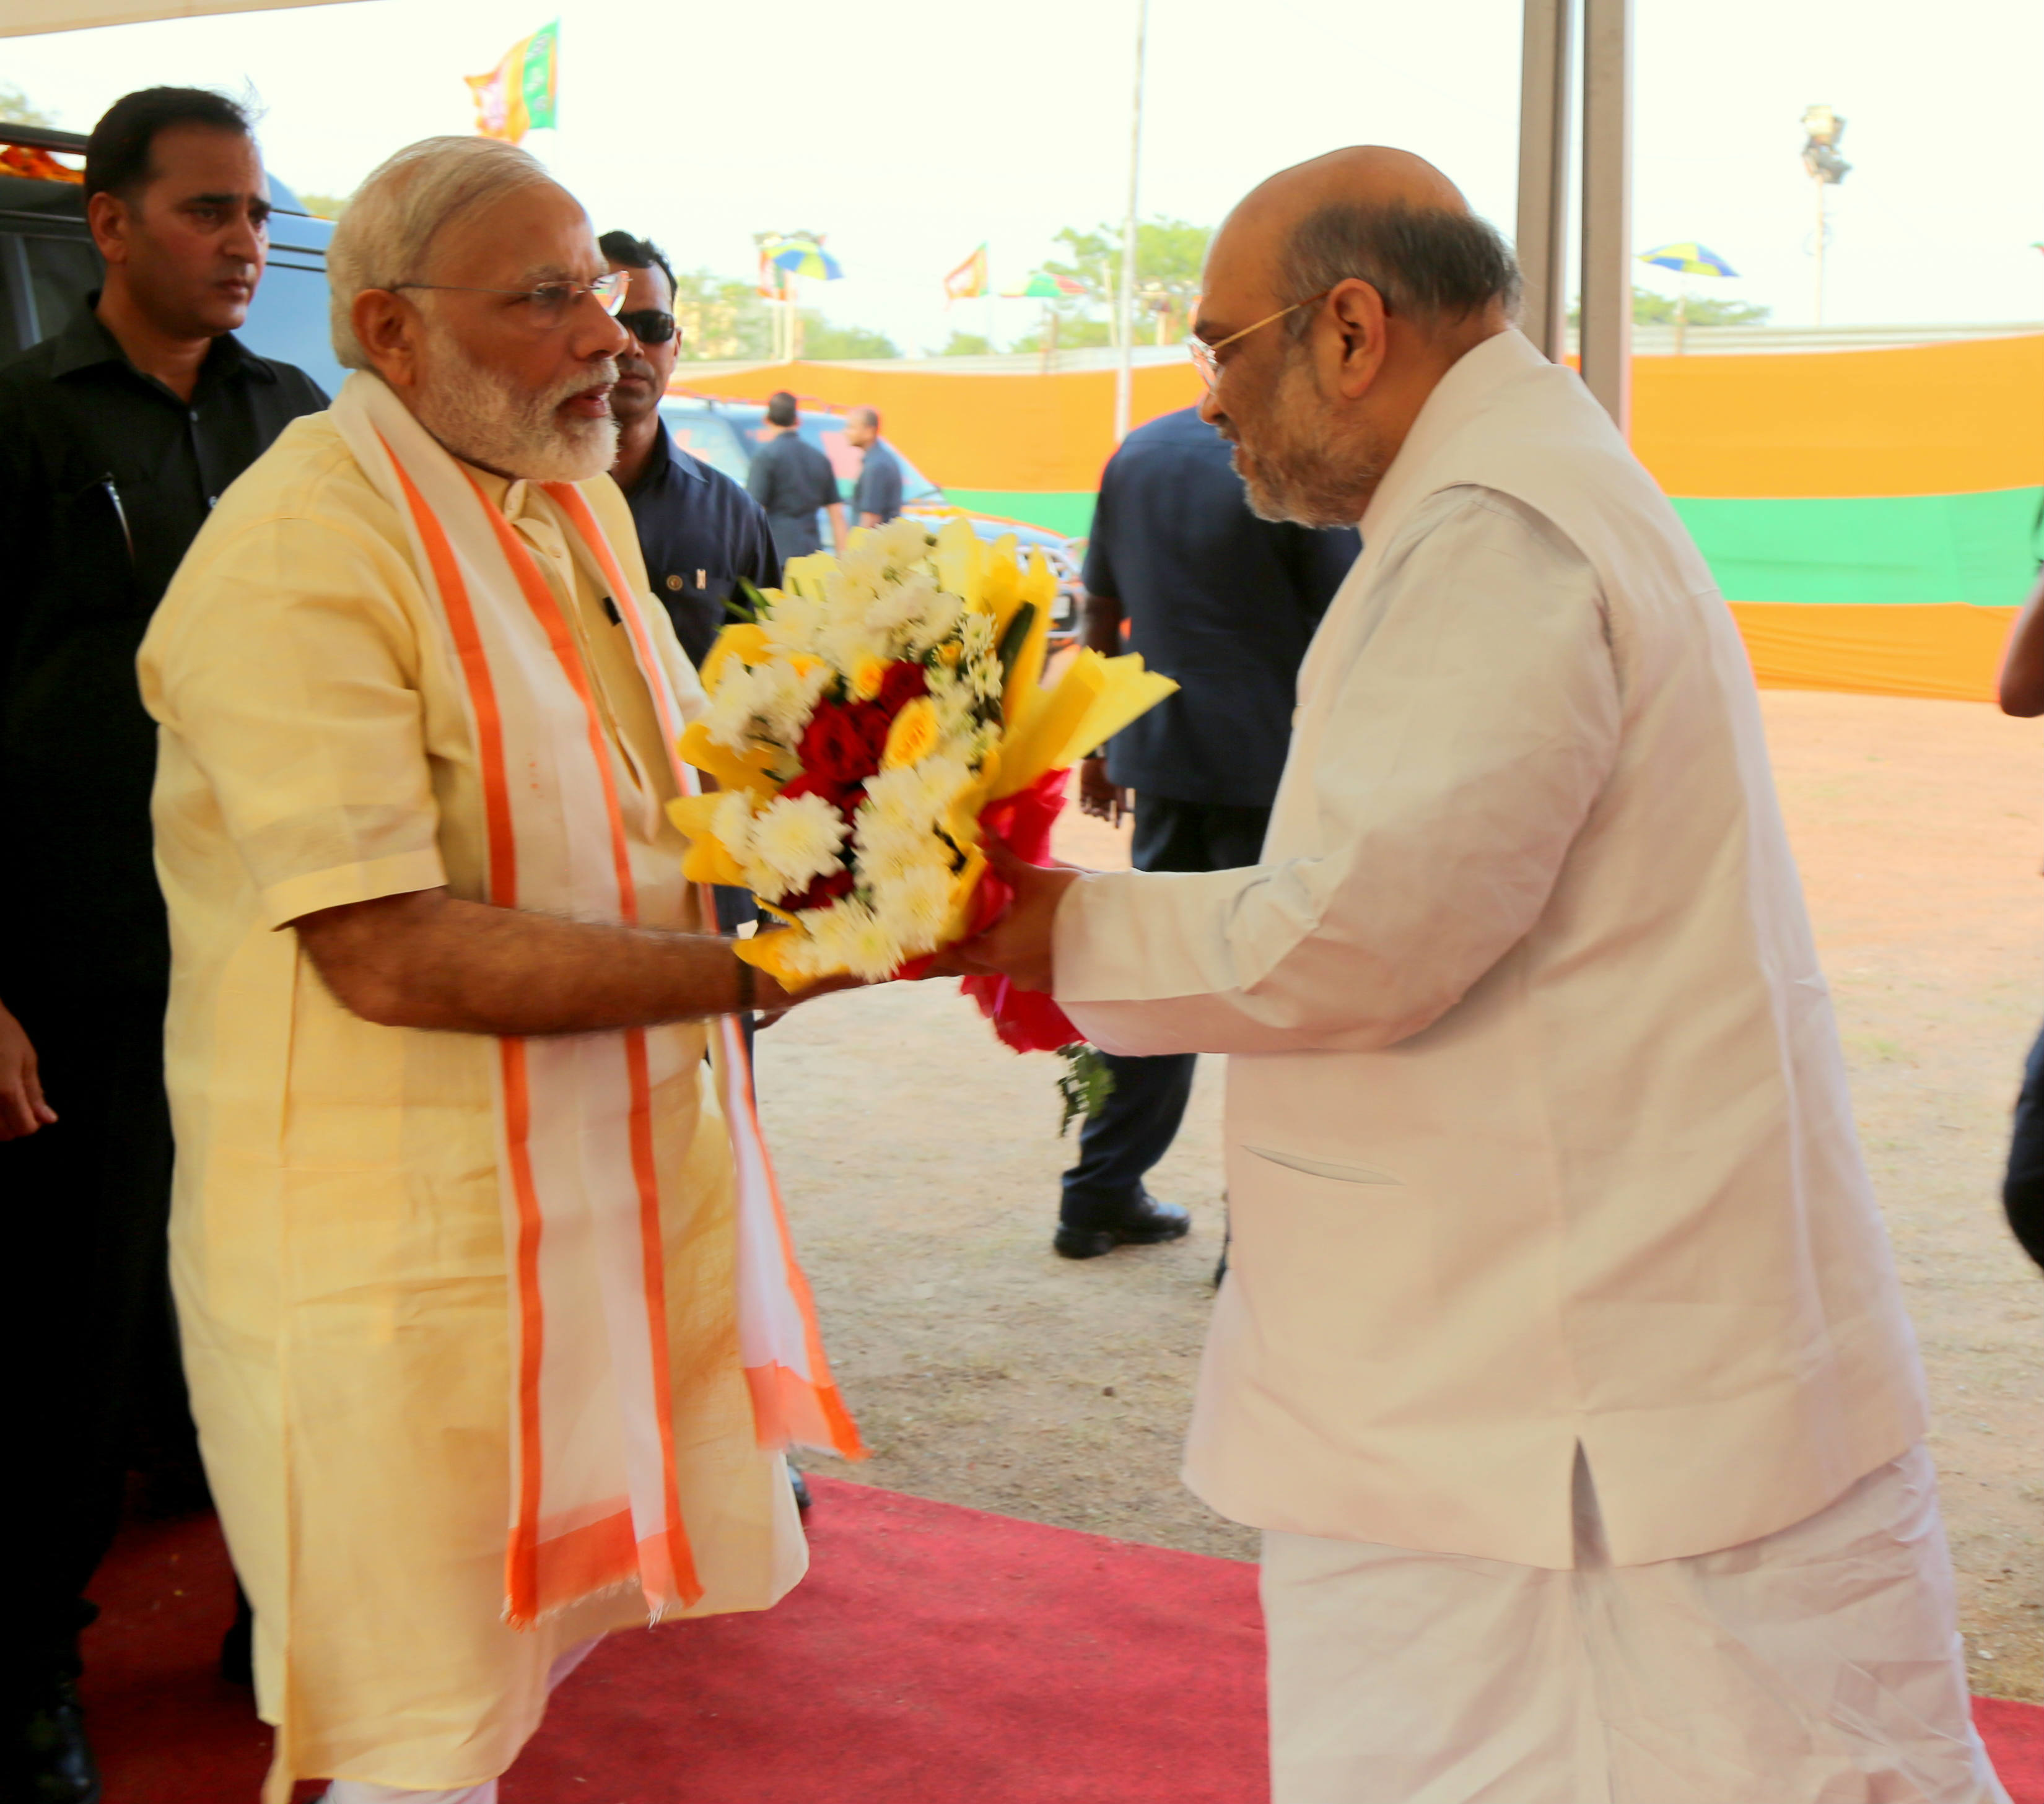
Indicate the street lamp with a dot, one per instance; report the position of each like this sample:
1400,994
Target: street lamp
1823,128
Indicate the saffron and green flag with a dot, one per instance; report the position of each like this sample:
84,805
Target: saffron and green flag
519,95
968,281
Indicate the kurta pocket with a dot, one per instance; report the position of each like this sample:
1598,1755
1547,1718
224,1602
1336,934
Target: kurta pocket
1349,1248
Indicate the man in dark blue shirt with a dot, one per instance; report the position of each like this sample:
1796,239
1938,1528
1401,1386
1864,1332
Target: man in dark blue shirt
794,482
876,498
1225,604
703,536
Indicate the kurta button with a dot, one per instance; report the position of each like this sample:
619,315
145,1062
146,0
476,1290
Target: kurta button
673,582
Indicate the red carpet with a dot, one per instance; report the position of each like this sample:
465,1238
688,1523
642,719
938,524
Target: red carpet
933,1656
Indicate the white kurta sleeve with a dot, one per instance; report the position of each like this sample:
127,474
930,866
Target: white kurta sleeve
1471,728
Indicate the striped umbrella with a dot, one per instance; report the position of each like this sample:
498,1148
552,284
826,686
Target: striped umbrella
804,256
1045,287
1690,259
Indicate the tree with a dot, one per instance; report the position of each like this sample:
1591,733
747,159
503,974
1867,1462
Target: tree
968,344
1066,329
1170,256
720,318
325,206
1651,309
819,338
16,109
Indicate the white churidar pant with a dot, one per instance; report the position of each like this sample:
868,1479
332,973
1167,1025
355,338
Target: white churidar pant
1819,1665
358,1791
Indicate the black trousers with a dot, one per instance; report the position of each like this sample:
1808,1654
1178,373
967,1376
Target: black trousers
1137,1124
95,1378
2023,1189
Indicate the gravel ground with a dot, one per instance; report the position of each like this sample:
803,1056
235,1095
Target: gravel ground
919,1160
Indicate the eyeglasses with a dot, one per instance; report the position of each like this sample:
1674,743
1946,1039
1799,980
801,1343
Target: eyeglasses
650,325
1206,357
551,302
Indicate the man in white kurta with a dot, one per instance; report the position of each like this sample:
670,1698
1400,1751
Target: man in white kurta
1561,1356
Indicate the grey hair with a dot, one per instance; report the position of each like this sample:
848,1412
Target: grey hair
1428,263
387,232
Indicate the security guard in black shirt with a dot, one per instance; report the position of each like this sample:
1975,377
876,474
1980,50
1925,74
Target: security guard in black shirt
117,437
704,538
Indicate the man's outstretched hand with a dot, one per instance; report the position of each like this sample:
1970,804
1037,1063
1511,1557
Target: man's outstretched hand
22,1109
1017,946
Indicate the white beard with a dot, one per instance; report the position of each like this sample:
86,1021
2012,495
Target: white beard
481,418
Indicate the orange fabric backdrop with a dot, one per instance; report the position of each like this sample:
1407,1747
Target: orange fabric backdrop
1949,651
1920,419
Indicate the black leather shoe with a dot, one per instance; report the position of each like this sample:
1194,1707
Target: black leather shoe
57,1763
802,1486
1145,1224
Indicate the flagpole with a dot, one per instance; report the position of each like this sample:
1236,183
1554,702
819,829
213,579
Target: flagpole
1125,301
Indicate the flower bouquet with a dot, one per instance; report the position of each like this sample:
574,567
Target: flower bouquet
883,718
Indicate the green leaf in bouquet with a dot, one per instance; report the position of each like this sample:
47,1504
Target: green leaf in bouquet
1084,1085
1016,636
747,604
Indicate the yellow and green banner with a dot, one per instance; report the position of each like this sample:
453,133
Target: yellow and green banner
520,95
1867,513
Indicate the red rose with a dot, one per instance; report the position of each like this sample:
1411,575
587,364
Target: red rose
816,783
837,746
872,720
901,685
845,797
824,891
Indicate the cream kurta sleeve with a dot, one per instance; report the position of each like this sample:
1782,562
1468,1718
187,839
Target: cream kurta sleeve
1477,720
295,690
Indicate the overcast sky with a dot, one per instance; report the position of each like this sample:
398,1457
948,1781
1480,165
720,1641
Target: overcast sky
907,131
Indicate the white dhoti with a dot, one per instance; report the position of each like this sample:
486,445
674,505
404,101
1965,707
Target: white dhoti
1821,1664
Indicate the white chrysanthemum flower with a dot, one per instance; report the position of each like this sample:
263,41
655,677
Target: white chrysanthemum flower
914,906
853,938
976,633
865,562
938,622
786,697
849,644
902,541
793,623
794,841
985,676
731,823
733,708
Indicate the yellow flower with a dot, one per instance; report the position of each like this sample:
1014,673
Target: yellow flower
950,652
867,675
912,737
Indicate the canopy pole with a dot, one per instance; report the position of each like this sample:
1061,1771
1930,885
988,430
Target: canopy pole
1547,119
1124,310
1606,288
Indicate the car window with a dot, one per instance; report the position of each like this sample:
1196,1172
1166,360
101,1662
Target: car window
289,322
61,271
710,437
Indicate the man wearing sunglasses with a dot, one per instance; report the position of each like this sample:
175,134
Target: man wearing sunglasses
703,536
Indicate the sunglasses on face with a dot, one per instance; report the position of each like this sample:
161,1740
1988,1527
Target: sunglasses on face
650,325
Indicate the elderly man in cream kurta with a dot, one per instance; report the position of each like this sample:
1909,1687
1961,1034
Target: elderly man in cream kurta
326,830
1560,1358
